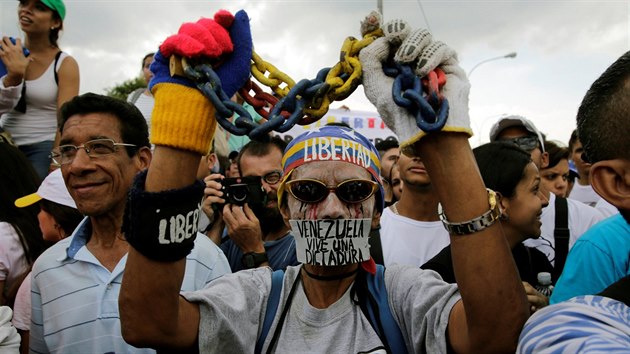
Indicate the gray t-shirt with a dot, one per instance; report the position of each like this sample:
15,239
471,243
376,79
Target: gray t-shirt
233,309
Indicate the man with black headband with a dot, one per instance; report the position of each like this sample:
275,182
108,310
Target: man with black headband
329,193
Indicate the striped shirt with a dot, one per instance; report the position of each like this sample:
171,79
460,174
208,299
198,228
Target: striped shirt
583,324
75,299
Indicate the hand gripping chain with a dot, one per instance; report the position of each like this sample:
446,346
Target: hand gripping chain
309,100
430,109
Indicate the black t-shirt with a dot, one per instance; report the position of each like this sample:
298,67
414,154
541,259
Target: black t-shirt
529,262
619,291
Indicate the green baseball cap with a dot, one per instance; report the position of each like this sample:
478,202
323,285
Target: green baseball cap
56,5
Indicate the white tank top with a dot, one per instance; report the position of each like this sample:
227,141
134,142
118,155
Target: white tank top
39,123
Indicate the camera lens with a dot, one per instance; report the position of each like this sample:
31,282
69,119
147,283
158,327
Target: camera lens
239,192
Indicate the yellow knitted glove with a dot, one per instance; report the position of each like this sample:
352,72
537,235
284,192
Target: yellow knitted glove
182,118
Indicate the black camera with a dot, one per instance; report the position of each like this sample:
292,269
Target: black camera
241,190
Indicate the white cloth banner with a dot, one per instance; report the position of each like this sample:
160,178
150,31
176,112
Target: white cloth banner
368,124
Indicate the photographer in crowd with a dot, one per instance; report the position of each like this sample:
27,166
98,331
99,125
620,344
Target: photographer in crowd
248,207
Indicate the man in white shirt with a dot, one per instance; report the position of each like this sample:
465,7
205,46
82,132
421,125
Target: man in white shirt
411,231
582,190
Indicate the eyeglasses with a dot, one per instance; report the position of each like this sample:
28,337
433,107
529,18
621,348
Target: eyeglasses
272,177
527,143
65,154
314,191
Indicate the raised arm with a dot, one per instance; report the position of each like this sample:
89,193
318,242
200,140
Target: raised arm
494,306
152,312
15,63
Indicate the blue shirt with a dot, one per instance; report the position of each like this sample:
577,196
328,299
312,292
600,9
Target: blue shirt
281,253
584,324
598,259
75,299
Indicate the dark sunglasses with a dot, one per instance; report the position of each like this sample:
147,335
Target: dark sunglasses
349,191
527,143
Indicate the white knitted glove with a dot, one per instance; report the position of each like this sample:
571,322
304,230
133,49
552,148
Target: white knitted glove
415,48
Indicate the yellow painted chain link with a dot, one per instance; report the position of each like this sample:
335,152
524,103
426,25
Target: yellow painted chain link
337,88
348,64
275,79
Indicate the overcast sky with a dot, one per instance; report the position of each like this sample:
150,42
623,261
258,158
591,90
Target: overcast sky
562,46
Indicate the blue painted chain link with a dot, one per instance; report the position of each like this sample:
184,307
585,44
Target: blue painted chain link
300,97
430,110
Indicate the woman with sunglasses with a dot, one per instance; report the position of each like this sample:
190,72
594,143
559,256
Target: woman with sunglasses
50,79
510,172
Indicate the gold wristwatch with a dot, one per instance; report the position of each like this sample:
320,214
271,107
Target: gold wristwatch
473,225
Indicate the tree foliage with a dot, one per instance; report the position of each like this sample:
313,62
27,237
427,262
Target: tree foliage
123,89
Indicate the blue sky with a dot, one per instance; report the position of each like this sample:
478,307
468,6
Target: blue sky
562,46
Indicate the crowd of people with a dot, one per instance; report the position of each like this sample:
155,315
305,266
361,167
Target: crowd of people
141,225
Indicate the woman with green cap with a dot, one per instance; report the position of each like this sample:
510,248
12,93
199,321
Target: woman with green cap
50,79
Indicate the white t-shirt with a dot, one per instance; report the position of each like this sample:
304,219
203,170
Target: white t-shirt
145,105
22,307
585,194
606,208
232,310
12,260
581,217
410,242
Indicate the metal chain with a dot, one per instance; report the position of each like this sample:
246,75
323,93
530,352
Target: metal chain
309,100
301,103
421,97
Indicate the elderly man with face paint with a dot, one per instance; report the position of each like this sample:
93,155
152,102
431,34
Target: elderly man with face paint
332,184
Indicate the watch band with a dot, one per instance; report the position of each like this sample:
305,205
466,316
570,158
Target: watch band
476,224
253,259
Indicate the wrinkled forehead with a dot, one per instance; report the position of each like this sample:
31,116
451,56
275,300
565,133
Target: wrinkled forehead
329,171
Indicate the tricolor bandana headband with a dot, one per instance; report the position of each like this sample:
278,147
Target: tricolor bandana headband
332,143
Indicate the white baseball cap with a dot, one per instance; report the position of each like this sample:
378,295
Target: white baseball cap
53,188
515,121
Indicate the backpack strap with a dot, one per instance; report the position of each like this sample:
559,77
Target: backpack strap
561,236
272,307
21,105
380,315
57,56
376,250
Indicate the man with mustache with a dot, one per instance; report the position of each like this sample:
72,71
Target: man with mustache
257,236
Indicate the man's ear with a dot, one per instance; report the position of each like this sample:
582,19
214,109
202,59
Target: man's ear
611,180
544,160
376,218
144,157
212,160
286,215
504,203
